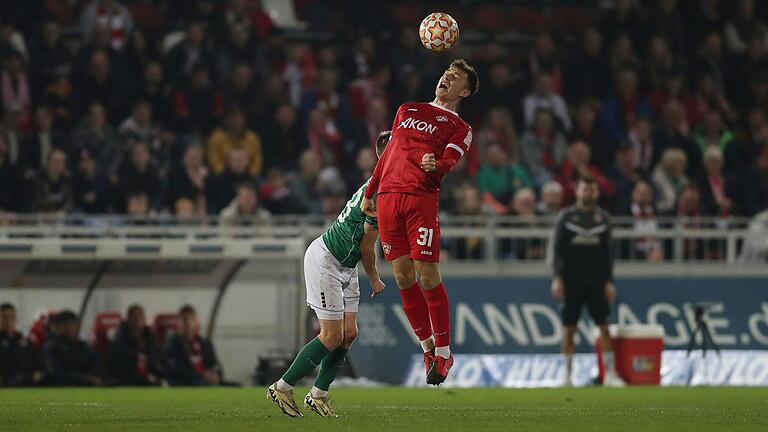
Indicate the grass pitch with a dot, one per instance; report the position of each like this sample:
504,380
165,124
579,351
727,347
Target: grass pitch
389,409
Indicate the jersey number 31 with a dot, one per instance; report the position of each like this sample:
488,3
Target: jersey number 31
425,237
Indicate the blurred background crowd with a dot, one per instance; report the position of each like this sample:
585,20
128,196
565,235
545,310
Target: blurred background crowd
194,107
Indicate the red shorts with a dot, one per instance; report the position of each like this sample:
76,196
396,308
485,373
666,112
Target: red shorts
409,225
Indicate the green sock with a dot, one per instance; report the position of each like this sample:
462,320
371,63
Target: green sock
330,367
306,361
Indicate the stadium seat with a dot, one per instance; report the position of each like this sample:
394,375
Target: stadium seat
105,324
164,325
38,331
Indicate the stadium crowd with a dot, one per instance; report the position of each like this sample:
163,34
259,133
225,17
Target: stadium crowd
122,351
206,107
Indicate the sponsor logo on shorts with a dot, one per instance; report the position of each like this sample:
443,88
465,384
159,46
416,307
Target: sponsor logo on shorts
387,248
426,252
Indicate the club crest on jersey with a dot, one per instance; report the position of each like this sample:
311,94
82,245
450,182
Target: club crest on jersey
441,118
387,248
419,125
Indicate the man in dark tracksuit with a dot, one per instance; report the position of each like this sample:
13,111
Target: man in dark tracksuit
20,362
583,272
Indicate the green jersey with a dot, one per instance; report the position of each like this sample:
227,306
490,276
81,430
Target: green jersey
343,237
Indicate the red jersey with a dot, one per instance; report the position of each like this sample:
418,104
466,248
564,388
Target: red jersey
420,128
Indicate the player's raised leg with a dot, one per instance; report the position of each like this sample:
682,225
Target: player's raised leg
440,316
318,399
415,306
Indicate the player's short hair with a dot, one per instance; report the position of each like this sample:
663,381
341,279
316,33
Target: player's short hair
7,306
65,316
187,309
473,82
381,142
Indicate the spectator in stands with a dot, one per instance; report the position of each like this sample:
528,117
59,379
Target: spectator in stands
365,163
20,361
277,194
155,91
524,207
96,136
712,132
469,203
233,134
742,25
544,97
196,105
644,222
711,60
542,148
624,175
53,191
498,129
577,165
137,206
503,87
623,17
50,55
667,22
12,195
716,188
543,58
323,138
282,139
623,56
102,84
499,178
191,357
222,188
660,64
755,185
675,132
366,130
585,129
669,179
551,199
587,71
16,91
240,49
138,127
673,88
90,189
133,357
44,138
112,14
69,360
188,178
240,90
245,208
620,112
642,141
139,175
190,53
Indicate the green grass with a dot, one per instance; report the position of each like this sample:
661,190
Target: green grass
389,409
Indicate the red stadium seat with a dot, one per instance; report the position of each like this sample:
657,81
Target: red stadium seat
105,324
38,331
164,325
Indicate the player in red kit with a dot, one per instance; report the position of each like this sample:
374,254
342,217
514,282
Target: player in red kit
427,140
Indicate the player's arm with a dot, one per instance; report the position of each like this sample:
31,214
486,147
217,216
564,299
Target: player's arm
457,146
605,244
367,205
368,258
558,287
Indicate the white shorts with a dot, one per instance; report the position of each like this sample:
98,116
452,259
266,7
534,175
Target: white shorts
332,288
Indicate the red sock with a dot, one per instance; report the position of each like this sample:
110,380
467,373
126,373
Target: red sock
415,307
440,313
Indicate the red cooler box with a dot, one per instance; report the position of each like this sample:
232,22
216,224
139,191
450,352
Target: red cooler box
638,352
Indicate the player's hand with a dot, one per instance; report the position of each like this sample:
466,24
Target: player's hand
610,291
366,205
377,287
428,163
558,288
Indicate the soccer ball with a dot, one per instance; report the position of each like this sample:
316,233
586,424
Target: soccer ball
439,31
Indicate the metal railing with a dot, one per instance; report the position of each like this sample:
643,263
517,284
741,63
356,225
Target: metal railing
465,238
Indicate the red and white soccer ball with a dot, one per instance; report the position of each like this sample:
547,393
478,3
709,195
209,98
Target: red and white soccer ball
439,31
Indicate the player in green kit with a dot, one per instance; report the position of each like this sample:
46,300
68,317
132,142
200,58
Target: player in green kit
333,292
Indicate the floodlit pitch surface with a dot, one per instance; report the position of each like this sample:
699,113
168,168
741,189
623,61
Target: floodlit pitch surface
389,409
